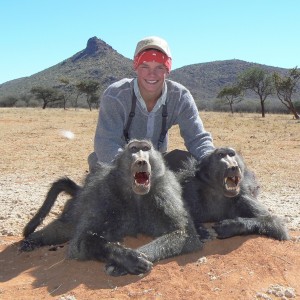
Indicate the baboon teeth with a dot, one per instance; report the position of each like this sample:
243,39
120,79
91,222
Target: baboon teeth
141,178
230,188
231,183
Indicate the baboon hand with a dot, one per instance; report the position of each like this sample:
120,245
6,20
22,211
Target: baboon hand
133,262
27,245
229,227
206,234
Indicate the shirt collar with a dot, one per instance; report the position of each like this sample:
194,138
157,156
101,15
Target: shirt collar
161,100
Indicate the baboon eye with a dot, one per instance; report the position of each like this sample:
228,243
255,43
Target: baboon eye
134,149
221,155
231,154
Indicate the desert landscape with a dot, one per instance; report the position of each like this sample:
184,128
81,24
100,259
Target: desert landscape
34,153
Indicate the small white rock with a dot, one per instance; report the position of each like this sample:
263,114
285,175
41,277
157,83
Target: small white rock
67,134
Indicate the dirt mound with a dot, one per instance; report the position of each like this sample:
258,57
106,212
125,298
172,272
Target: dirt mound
237,268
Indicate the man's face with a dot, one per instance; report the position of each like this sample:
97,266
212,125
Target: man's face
151,77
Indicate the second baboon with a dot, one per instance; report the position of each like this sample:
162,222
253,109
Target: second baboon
220,189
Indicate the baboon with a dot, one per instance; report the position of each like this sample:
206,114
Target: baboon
220,189
137,194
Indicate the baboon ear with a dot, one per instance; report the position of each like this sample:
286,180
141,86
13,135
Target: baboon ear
200,170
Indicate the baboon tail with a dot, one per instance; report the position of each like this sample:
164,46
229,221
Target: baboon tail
61,185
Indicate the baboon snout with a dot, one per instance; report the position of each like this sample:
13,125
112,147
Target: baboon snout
141,162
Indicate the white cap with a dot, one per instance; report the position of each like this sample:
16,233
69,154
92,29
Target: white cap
153,42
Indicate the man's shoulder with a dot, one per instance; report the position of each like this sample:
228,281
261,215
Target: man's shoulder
174,85
116,87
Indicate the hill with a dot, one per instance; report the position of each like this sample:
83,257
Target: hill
100,62
205,80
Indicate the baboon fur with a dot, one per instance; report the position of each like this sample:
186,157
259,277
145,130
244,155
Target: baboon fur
220,189
135,195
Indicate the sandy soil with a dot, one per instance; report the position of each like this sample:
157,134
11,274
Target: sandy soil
34,153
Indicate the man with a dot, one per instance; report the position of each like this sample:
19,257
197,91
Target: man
147,106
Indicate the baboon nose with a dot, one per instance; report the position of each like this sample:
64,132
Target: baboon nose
234,168
141,162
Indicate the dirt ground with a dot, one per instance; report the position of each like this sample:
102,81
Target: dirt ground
34,153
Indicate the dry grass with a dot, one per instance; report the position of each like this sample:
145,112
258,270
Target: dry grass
270,145
33,154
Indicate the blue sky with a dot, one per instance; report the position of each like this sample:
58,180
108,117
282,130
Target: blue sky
37,34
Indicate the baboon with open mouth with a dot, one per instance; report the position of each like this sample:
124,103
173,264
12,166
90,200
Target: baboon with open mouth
135,195
220,189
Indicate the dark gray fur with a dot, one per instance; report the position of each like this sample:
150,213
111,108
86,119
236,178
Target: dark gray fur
236,212
106,209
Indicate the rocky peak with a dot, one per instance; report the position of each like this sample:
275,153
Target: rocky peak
94,47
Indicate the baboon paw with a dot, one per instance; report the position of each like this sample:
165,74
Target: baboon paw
224,229
135,264
141,266
206,234
113,270
27,245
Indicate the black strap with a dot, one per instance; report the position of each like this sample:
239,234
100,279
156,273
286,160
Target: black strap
164,129
131,115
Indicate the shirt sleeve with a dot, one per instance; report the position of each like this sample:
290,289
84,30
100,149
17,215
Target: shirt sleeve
109,131
197,140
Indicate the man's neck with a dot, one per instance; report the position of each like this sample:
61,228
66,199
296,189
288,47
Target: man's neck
150,99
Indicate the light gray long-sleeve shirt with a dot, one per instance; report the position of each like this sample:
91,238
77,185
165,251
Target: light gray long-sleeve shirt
115,107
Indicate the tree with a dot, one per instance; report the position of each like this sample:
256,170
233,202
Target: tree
47,95
95,100
258,81
231,95
285,87
88,87
66,84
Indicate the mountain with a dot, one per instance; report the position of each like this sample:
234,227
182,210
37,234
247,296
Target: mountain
205,80
100,62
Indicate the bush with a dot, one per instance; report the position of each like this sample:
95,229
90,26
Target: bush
34,103
8,101
20,103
